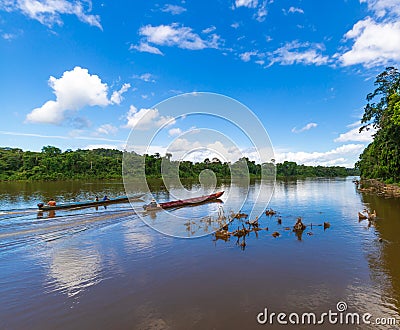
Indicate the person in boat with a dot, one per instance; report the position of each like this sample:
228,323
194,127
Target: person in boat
51,202
105,198
97,198
153,204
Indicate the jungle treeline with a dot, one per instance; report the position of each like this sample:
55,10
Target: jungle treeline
381,159
53,164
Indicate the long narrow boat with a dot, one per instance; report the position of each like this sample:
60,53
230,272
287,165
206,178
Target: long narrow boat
120,199
184,202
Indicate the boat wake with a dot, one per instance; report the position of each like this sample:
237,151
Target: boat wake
19,229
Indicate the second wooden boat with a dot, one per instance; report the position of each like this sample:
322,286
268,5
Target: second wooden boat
184,202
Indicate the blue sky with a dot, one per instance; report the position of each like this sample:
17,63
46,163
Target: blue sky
79,74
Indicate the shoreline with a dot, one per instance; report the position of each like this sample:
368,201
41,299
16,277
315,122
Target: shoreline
120,179
374,186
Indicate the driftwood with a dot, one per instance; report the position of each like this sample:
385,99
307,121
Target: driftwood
299,226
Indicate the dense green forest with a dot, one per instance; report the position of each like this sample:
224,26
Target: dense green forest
381,159
53,164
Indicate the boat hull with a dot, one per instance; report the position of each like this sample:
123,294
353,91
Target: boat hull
186,202
121,199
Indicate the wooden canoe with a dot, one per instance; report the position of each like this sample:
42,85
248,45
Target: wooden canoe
185,202
120,199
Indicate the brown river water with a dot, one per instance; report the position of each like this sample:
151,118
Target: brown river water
107,269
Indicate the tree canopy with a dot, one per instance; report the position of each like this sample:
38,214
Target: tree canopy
53,164
381,159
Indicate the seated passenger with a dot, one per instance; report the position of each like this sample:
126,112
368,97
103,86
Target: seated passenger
51,202
153,204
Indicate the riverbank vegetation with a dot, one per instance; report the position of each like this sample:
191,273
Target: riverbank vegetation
381,159
53,164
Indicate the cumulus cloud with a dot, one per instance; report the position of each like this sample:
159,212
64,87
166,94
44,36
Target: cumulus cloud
354,134
48,12
175,131
193,150
145,119
181,145
299,53
374,43
305,128
74,90
173,9
374,40
107,129
383,8
173,35
344,155
116,96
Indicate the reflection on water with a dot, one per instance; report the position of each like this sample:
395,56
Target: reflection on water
18,195
73,269
384,263
106,268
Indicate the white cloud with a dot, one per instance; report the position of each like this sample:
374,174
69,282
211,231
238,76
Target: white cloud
146,77
374,43
305,128
296,10
173,9
246,3
116,96
235,25
103,146
175,131
173,35
48,12
209,30
345,155
192,149
181,145
246,57
74,134
8,36
261,12
74,90
299,53
383,8
145,119
144,47
107,129
354,135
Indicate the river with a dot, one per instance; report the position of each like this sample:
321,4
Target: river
107,268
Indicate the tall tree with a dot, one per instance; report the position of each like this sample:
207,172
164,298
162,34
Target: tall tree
381,159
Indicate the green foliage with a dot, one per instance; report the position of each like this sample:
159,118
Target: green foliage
381,159
52,164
